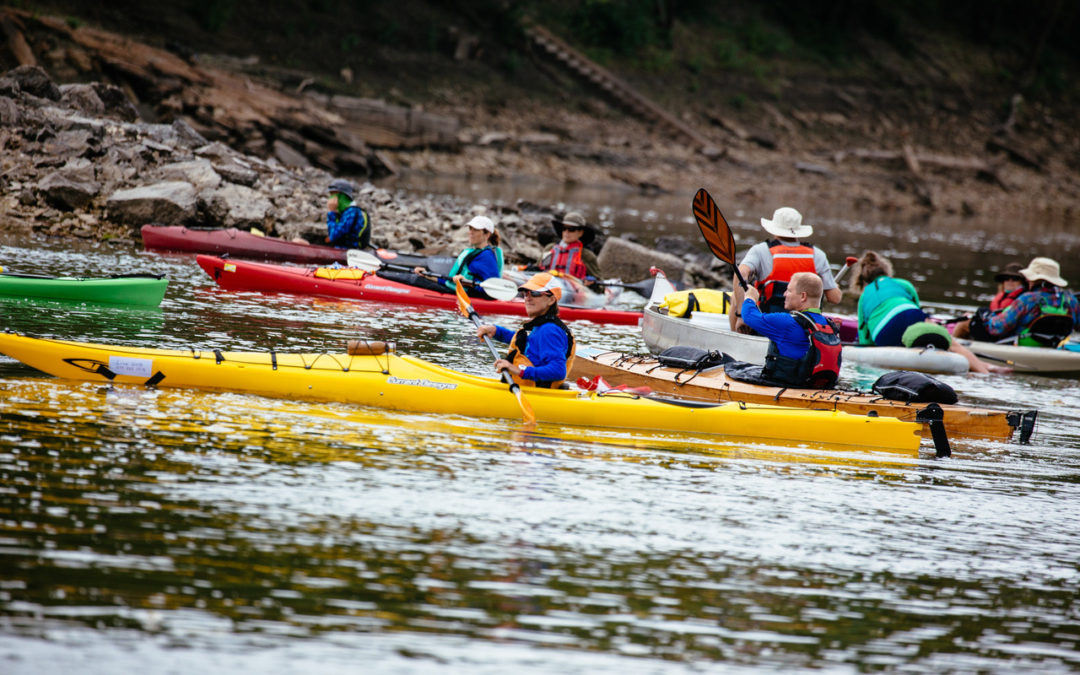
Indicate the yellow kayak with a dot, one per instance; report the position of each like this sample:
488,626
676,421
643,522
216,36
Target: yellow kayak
390,381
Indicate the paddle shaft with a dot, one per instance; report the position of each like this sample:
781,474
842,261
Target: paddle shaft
466,308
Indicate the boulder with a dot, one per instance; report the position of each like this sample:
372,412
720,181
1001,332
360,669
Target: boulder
66,193
170,202
289,156
629,261
198,172
186,136
82,97
35,81
9,112
235,206
234,172
72,143
116,102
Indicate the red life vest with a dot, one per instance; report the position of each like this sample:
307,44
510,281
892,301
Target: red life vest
566,258
787,259
819,368
1003,299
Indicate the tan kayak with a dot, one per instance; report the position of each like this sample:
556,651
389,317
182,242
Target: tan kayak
712,385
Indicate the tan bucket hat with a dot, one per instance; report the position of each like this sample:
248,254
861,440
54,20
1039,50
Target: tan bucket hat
1045,269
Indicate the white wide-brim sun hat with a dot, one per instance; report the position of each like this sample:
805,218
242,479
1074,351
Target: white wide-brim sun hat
787,223
1045,269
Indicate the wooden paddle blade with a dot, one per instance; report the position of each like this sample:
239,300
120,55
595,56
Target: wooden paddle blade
713,227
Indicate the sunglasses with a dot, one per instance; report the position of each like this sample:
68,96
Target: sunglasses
572,228
536,294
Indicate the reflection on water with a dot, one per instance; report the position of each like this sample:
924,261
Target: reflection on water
221,530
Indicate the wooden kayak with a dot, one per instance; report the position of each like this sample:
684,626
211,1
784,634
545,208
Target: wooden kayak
241,275
236,244
712,331
712,385
144,290
383,379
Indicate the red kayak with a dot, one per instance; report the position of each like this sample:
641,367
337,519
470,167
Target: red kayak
236,243
239,275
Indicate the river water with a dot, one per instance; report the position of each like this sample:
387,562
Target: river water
171,531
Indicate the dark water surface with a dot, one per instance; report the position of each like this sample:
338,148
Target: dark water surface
179,531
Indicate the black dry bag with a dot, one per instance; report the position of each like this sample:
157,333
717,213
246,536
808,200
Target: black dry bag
905,385
689,358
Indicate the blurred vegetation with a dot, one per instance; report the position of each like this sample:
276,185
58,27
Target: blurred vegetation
1031,40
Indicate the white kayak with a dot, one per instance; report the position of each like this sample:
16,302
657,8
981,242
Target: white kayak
1061,361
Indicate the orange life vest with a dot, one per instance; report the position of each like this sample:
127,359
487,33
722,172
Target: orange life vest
787,259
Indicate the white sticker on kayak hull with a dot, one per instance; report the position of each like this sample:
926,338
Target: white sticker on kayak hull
127,365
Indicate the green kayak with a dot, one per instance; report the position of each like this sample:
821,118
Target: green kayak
145,290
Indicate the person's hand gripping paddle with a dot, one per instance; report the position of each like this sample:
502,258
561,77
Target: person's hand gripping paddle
466,309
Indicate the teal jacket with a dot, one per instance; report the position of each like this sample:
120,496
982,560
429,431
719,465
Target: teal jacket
476,264
881,300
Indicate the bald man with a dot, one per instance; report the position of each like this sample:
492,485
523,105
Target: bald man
804,349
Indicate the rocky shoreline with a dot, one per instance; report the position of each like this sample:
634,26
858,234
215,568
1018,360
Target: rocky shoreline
77,164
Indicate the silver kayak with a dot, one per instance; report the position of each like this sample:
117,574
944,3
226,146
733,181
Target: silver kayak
712,331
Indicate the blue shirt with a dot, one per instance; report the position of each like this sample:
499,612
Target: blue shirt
484,266
348,229
546,350
782,328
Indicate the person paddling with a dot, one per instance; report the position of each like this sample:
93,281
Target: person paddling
769,265
804,348
482,259
542,350
570,255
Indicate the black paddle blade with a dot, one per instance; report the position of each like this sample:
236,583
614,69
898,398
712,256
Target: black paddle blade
713,227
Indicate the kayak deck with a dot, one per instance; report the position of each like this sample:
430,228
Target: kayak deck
240,275
404,383
236,243
145,290
713,385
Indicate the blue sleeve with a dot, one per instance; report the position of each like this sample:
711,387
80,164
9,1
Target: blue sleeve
345,230
1020,313
503,334
780,327
484,266
547,353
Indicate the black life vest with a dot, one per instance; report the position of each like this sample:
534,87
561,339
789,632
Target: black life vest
520,340
819,368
